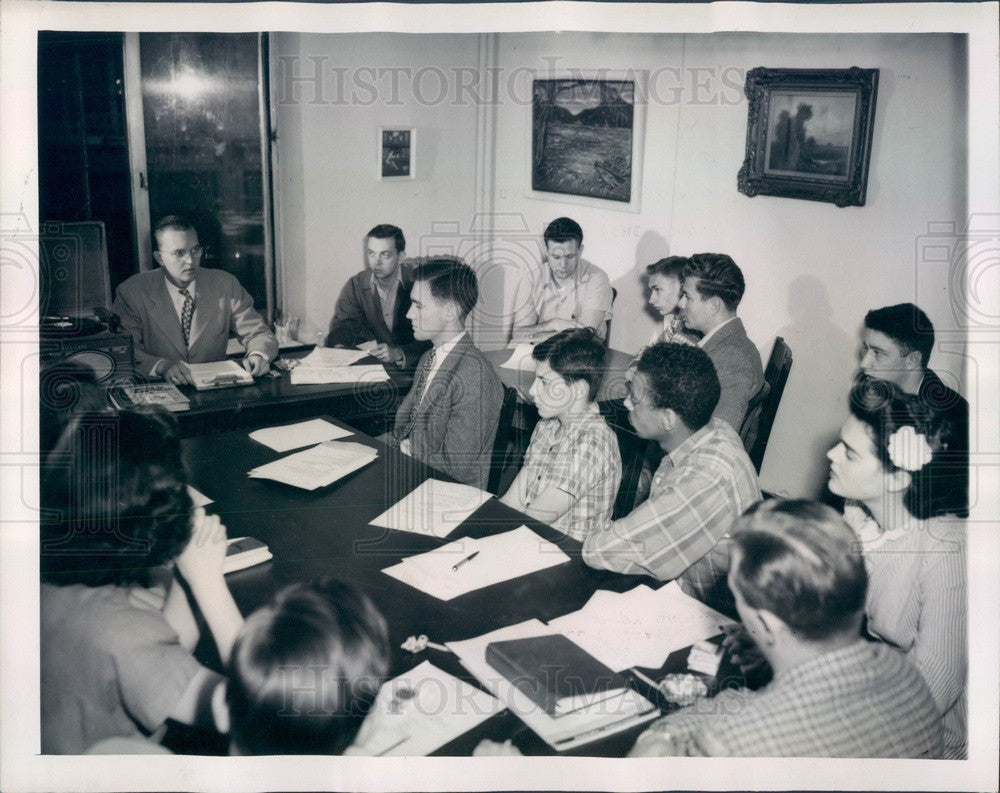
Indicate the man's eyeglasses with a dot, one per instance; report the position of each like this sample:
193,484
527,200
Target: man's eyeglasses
194,252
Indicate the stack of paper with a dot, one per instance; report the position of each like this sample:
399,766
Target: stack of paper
423,710
564,732
333,365
469,564
295,436
317,467
640,627
434,508
218,374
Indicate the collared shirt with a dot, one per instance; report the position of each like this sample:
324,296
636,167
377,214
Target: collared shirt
387,297
681,530
582,460
864,700
440,353
539,298
713,331
672,331
917,603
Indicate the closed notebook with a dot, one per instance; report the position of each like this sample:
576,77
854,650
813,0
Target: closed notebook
555,673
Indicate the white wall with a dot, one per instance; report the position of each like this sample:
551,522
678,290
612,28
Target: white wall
329,193
812,269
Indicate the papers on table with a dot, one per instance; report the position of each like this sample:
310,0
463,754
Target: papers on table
295,436
640,627
521,358
218,374
434,508
333,365
565,732
367,346
423,710
448,571
317,467
198,498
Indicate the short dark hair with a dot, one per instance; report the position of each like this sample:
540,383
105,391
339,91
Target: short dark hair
114,486
174,222
450,279
718,276
305,670
801,561
574,354
683,379
907,325
384,231
563,230
884,408
669,267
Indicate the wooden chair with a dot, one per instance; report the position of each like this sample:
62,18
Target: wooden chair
502,439
759,419
632,449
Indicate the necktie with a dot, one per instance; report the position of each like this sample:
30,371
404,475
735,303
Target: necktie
419,385
187,313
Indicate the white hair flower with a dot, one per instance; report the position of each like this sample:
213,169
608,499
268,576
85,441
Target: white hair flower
909,449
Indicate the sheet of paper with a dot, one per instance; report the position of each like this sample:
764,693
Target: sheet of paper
317,467
325,357
640,627
441,708
434,507
315,375
295,436
566,732
520,359
198,498
204,373
500,557
367,346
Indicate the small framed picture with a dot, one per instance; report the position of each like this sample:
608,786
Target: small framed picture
809,134
397,150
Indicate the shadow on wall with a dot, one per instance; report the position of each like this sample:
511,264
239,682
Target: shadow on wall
630,330
825,360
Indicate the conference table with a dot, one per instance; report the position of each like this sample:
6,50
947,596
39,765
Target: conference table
612,384
326,532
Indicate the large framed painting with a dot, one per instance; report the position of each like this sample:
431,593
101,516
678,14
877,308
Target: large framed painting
809,134
586,138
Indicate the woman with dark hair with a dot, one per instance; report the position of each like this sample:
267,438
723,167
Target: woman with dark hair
888,465
115,650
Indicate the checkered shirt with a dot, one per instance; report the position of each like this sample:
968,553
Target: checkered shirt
583,461
681,530
865,700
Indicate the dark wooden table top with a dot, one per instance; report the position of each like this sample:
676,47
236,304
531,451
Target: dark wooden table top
326,533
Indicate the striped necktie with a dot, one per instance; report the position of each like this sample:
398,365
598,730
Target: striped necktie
187,313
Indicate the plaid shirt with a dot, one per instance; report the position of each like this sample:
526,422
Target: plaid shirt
865,700
583,461
681,530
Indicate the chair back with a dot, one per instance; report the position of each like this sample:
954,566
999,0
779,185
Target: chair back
632,449
607,324
498,460
756,428
74,273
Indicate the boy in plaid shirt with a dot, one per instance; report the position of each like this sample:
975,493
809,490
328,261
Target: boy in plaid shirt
573,467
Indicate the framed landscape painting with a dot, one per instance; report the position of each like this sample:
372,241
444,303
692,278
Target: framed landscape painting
586,138
809,134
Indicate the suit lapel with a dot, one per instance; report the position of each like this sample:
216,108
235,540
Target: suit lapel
164,316
202,308
733,328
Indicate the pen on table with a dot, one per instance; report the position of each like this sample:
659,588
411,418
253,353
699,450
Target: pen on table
468,558
648,681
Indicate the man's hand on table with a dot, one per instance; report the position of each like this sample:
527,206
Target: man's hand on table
388,354
256,364
178,374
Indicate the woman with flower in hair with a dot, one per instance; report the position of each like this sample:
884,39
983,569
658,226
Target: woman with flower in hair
887,466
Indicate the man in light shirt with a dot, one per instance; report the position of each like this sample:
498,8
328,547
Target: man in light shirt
712,290
180,313
449,417
563,291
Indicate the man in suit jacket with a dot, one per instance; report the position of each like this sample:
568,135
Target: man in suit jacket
713,288
181,313
449,418
374,303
